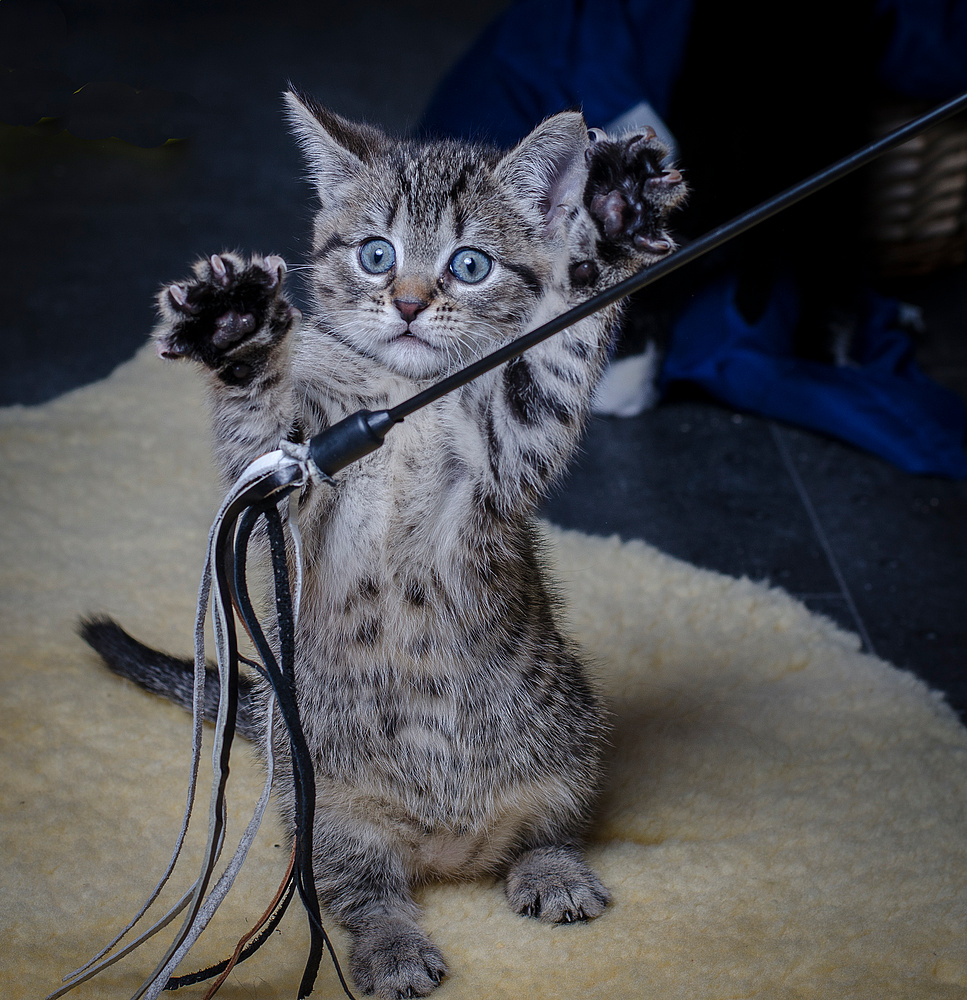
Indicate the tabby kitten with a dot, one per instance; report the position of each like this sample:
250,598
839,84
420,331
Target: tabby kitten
454,731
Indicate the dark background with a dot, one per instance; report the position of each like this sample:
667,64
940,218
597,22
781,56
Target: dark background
135,136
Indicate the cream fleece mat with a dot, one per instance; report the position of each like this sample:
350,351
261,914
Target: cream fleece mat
787,818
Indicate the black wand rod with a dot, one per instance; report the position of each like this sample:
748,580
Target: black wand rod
363,432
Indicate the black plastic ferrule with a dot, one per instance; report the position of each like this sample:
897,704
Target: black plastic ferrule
350,439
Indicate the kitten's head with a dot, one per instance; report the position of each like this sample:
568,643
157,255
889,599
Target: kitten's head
427,255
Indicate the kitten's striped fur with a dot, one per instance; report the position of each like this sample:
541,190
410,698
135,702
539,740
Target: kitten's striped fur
454,730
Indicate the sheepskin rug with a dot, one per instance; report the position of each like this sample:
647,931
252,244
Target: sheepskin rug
786,817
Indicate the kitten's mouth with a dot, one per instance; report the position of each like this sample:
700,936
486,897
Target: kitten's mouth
408,336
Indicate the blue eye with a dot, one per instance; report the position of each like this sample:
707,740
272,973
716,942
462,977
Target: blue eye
470,265
377,256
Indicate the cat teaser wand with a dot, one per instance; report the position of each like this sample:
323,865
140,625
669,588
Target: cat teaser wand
256,494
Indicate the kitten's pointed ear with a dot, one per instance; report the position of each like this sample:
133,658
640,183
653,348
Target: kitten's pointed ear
548,167
335,148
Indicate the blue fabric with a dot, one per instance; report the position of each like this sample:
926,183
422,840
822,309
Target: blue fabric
926,54
543,56
607,56
884,404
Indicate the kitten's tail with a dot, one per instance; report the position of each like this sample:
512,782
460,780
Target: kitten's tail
166,675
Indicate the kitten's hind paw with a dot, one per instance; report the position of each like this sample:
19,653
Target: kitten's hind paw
629,193
394,959
231,309
555,884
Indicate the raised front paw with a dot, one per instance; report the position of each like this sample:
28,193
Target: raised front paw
629,192
394,959
555,884
230,312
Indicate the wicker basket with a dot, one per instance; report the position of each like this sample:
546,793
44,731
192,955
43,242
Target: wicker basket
918,196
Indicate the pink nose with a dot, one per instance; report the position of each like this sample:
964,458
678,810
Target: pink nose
409,308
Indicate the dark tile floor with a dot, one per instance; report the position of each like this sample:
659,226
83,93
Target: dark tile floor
92,225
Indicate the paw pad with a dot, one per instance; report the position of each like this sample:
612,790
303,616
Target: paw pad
630,192
231,327
230,307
